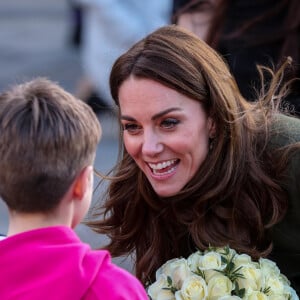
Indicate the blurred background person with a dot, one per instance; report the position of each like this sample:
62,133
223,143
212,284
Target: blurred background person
108,29
247,33
76,23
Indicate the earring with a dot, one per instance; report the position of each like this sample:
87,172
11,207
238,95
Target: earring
211,142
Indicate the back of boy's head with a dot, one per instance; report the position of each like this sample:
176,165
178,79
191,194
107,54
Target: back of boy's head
47,137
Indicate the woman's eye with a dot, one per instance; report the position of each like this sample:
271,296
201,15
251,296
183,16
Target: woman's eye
169,123
132,128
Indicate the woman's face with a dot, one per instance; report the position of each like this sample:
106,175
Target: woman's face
165,132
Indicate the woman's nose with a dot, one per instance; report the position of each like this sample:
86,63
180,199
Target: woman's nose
152,144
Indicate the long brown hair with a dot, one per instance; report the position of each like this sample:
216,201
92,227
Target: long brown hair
235,196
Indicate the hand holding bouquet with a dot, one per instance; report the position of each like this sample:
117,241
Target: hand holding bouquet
220,273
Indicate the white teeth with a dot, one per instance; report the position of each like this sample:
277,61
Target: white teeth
162,165
164,173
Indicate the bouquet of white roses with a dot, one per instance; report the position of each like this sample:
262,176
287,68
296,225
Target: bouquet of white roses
220,273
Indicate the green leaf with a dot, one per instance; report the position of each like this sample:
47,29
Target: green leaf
266,290
239,292
242,293
224,259
199,272
170,285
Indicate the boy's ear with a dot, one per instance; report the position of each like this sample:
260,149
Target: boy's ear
82,182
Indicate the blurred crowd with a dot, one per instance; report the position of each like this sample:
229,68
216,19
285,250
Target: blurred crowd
246,33
103,30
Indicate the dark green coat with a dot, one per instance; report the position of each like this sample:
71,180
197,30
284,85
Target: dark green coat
286,235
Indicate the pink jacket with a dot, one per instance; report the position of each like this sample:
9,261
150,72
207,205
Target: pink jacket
52,263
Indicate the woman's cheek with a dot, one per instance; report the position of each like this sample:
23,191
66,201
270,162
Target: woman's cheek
132,145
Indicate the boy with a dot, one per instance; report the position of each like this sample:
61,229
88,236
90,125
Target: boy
48,142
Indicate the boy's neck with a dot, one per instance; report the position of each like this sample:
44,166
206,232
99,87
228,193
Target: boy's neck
21,222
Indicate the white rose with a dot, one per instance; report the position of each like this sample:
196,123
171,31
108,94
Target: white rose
193,288
159,285
278,297
242,259
229,297
177,269
222,251
285,280
252,277
268,267
219,285
257,295
275,285
288,291
207,263
211,260
193,260
165,295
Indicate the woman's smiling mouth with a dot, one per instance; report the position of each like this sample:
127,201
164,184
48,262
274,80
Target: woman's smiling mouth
164,168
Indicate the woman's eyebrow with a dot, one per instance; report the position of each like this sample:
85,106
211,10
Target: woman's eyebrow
156,116
164,112
127,118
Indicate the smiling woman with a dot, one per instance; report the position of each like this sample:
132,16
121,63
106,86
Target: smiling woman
199,164
168,141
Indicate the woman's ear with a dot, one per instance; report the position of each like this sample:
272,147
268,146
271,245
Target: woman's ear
211,128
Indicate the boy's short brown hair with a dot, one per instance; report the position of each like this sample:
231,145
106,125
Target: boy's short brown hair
46,137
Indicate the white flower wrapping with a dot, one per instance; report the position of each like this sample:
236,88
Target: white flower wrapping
220,273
